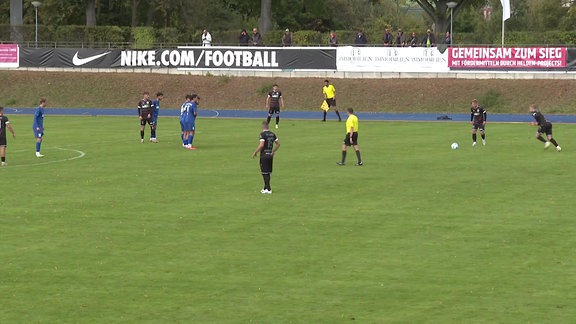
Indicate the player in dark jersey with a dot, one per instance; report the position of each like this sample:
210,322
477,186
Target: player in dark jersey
544,127
146,115
478,120
269,144
4,123
274,102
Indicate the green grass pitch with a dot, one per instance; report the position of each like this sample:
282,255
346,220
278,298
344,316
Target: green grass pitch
107,230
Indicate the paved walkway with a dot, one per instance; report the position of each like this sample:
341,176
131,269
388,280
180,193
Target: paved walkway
519,118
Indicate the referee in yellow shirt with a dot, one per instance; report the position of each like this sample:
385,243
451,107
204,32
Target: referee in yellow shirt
351,138
330,97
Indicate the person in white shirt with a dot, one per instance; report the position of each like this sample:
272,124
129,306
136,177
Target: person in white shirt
206,38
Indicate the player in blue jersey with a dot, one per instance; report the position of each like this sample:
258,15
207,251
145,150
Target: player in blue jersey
38,125
188,113
195,102
155,112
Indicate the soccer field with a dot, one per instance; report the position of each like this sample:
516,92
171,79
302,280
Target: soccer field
107,230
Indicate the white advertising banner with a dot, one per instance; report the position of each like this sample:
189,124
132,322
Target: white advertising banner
391,59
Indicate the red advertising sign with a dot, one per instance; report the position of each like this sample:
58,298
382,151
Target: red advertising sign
490,58
9,55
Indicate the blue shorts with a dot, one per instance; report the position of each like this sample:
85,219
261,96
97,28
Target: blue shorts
38,134
187,125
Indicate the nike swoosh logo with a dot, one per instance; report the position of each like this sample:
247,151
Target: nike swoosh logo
81,61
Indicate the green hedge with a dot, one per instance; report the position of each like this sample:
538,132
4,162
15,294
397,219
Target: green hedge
148,37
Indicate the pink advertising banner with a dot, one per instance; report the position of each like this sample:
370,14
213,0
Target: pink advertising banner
504,58
9,56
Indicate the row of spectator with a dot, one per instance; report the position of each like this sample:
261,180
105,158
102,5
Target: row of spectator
400,40
428,40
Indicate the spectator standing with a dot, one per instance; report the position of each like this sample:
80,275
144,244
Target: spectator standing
429,40
387,39
400,40
206,39
447,39
413,41
256,37
243,39
333,39
287,38
360,39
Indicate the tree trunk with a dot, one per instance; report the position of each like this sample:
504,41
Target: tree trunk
16,34
265,21
90,13
135,4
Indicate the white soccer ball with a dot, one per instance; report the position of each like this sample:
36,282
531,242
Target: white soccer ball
454,146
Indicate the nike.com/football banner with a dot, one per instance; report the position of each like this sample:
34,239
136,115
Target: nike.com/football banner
258,58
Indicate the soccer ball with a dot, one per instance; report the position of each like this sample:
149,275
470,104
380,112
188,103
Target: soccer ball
454,146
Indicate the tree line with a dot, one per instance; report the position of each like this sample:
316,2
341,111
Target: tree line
181,21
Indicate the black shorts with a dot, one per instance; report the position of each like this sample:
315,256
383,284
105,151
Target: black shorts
145,120
546,128
354,139
331,102
479,126
266,162
273,110
2,140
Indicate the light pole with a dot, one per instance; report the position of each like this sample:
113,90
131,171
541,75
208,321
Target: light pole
451,5
36,4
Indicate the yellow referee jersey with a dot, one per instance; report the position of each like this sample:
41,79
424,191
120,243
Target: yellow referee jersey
329,91
352,121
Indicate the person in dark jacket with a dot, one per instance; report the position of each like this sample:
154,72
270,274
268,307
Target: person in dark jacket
361,39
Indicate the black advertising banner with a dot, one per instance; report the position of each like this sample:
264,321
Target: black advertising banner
571,59
259,58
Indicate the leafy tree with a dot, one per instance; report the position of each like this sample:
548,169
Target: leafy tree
439,13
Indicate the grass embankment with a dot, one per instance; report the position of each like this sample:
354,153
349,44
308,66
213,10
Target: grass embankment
110,90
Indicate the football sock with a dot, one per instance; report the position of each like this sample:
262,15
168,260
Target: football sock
277,120
3,159
358,156
541,139
554,142
142,134
153,133
483,136
190,139
343,156
473,137
266,177
268,119
38,144
337,113
182,138
324,118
